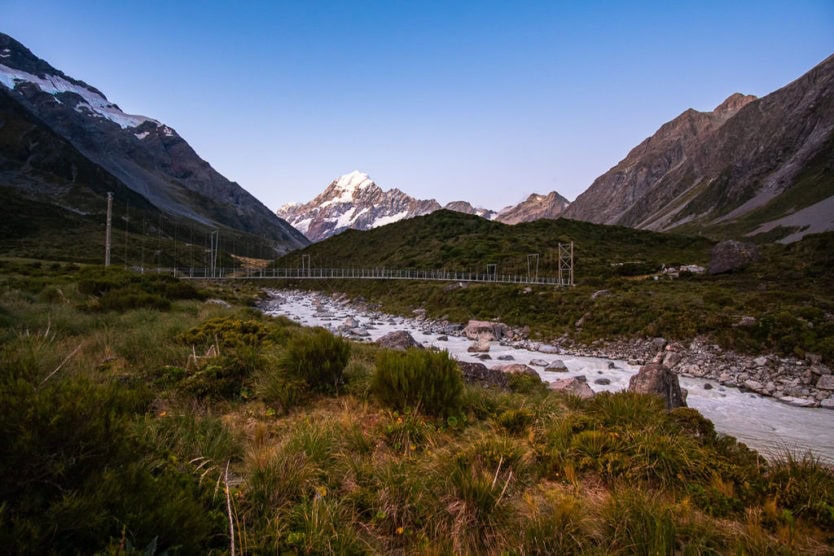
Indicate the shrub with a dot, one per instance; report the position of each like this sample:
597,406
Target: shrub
515,421
428,381
317,357
804,486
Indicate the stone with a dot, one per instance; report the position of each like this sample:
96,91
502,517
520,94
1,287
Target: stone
602,381
478,373
399,340
581,378
753,385
826,382
813,358
516,368
611,365
539,363
798,402
359,332
707,386
760,361
828,403
506,358
820,369
659,343
219,303
481,346
443,338
484,357
350,322
547,348
746,322
478,329
731,255
573,387
557,366
671,359
655,379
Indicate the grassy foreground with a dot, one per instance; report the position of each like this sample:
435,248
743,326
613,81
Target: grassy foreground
139,418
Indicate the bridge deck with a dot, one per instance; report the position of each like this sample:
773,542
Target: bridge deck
364,274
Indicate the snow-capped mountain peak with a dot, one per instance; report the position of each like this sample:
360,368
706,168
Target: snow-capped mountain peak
354,181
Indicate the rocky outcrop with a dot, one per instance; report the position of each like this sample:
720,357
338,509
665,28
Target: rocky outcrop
656,379
399,340
467,208
731,255
705,169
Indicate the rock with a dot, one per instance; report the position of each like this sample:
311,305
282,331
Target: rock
828,403
572,386
539,363
760,361
659,343
506,358
655,379
400,340
826,382
611,365
484,357
820,369
481,346
517,368
350,322
671,359
602,381
813,358
707,386
478,373
547,348
746,322
753,385
600,293
443,338
219,303
798,402
557,366
581,378
479,329
359,332
731,255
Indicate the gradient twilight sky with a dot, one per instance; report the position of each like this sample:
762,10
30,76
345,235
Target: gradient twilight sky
485,101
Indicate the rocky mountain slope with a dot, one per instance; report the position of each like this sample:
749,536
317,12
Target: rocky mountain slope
533,208
747,167
127,152
354,201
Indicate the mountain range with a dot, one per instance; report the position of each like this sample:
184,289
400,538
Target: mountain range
750,167
63,144
354,201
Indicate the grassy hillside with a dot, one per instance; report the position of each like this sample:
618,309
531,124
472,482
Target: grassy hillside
789,290
288,440
461,242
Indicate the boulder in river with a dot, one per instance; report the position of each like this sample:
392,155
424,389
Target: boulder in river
572,386
517,368
655,379
539,363
480,346
399,340
481,329
557,366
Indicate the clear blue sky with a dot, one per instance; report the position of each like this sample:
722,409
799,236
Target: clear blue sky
475,100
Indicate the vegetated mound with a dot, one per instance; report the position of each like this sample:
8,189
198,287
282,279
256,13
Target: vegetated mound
460,242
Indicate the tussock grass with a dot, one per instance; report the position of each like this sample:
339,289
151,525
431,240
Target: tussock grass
118,449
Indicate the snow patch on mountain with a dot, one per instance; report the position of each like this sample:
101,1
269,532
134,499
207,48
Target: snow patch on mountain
97,104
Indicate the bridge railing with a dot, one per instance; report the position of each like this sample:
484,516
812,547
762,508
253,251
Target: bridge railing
379,273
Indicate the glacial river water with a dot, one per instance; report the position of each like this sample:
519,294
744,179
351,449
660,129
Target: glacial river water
763,423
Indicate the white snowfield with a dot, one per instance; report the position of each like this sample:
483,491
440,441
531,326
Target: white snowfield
764,424
97,104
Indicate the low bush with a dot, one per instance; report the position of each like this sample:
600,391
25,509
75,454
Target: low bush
428,381
318,358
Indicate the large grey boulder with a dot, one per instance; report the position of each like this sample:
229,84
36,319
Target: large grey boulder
572,386
399,340
478,373
485,330
731,255
655,379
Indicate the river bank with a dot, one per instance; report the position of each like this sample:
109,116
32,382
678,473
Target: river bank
763,422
